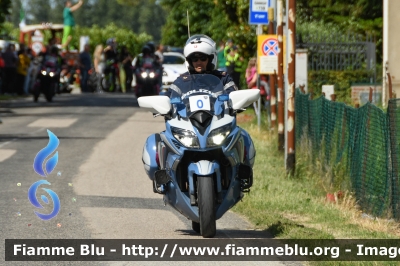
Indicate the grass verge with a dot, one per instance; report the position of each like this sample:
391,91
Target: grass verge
297,207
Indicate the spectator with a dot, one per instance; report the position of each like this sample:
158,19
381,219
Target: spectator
230,61
221,57
10,69
22,70
251,78
99,64
85,65
1,72
238,66
228,46
28,77
125,60
69,22
159,53
251,73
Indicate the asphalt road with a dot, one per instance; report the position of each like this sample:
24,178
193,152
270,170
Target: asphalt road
100,180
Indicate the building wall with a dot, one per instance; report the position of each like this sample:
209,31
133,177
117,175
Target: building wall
394,44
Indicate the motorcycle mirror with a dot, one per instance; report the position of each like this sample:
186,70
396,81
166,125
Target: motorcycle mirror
223,98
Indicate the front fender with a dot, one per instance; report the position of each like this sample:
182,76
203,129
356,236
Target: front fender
203,168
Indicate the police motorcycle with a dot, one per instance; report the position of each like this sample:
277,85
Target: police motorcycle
202,163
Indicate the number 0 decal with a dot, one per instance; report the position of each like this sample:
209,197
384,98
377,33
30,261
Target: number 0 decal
199,102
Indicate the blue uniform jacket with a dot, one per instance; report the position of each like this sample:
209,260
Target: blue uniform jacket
226,80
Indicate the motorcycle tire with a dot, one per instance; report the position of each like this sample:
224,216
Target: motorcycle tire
105,84
196,227
206,204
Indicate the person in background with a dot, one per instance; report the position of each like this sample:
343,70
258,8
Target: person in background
125,60
159,53
22,70
69,22
238,66
228,47
10,69
251,78
29,72
221,57
85,65
230,61
251,73
99,64
1,72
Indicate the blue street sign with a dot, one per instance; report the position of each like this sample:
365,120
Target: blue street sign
258,11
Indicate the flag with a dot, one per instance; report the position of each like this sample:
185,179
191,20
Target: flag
22,18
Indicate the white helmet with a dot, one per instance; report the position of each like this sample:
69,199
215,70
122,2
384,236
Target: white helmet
201,43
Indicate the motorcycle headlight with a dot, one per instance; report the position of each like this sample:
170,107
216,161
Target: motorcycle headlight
44,73
51,74
144,75
186,137
152,75
218,135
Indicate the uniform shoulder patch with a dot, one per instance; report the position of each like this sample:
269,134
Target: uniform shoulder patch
185,76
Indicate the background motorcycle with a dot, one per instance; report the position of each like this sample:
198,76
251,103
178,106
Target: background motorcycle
147,80
110,77
46,82
202,162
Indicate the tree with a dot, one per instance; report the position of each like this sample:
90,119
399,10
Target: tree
5,9
221,20
15,17
40,10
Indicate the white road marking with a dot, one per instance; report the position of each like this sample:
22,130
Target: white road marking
53,122
5,154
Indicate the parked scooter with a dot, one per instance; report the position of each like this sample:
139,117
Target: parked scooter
203,161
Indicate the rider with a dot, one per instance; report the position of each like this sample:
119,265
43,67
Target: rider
201,56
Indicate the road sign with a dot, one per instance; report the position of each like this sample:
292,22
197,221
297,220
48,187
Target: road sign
270,46
268,49
258,11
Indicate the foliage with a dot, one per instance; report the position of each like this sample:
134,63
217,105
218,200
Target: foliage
8,29
358,16
5,9
221,20
124,36
140,16
341,79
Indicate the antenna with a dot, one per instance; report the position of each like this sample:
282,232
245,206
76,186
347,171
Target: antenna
187,15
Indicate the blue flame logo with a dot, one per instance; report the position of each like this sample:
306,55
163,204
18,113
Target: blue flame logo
44,153
44,168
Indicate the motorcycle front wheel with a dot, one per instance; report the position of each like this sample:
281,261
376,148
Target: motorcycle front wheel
206,203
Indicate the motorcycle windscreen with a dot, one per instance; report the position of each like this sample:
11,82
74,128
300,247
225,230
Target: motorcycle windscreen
198,92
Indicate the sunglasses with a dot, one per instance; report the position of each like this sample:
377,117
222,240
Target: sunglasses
202,58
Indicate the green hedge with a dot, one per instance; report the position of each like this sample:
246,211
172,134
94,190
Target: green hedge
341,79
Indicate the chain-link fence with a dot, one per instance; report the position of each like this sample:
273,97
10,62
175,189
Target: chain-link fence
366,141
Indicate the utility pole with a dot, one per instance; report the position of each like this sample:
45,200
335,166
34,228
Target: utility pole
272,76
385,51
281,133
290,93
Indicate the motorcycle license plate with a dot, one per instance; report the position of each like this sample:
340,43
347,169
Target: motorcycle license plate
199,102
